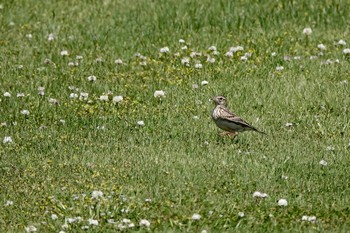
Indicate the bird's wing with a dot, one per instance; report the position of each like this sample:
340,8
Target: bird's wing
231,117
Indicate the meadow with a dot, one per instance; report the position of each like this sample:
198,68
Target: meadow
105,113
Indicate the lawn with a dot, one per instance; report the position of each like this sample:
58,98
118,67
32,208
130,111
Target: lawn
105,113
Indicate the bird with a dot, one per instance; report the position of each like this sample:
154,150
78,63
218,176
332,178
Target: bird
228,121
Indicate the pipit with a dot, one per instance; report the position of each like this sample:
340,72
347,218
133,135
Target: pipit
228,121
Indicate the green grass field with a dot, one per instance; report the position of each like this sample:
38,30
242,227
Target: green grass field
74,158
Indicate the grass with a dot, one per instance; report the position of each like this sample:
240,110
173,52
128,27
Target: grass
176,165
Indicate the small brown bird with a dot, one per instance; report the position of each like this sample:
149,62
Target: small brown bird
228,121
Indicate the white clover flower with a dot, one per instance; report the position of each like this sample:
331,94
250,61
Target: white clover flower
64,53
195,117
96,194
212,48
25,112
236,49
216,52
308,218
321,47
117,99
330,148
111,221
286,58
198,66
158,94
8,203
289,124
279,68
29,36
282,202
260,194
241,214
185,61
284,177
53,101
83,96
7,94
346,51
229,54
51,37
247,55
118,62
70,220
184,47
273,54
85,227
131,225
30,229
99,60
73,95
79,57
164,50
41,91
341,42
71,64
145,223
20,95
344,82
196,217
313,57
204,82
91,78
323,163
211,59
307,31
195,86
148,200
61,232
141,123
54,216
126,220
244,58
181,41
93,222
296,57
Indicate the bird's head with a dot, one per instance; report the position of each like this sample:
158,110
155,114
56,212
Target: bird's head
220,100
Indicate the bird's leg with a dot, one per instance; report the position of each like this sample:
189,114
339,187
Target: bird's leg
224,133
230,134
